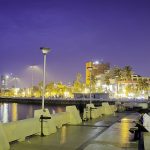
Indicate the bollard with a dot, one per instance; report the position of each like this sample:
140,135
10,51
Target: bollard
91,112
42,118
86,114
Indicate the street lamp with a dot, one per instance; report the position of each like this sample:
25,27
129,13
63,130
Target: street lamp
44,51
117,85
90,70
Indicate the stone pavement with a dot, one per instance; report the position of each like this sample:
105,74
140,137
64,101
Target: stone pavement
105,133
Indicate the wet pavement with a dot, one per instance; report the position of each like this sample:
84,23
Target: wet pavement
105,133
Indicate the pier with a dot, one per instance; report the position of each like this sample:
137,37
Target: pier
105,133
102,128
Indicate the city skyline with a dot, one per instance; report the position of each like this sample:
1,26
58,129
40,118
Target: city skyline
77,31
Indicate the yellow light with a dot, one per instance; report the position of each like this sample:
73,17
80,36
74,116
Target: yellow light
124,132
66,94
124,120
86,90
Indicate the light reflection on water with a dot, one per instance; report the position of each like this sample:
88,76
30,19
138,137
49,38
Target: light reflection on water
13,111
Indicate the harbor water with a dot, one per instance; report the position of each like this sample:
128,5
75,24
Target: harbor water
14,111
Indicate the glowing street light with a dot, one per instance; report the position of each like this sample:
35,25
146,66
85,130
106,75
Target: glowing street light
7,77
44,51
96,62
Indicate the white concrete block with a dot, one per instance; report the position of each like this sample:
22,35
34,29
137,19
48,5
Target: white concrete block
49,125
95,111
61,118
143,105
74,116
107,109
19,130
4,144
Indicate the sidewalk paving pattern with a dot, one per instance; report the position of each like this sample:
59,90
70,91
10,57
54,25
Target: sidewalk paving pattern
105,133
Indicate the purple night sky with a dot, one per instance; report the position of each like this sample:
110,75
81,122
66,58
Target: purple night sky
117,31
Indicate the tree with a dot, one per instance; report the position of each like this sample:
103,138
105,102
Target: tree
117,73
78,86
49,88
36,91
107,79
127,72
78,77
142,85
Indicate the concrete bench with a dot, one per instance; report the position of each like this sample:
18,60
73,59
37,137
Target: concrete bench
146,135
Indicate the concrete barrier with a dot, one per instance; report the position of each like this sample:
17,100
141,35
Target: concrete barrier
143,105
49,125
4,144
92,111
73,116
108,109
60,119
19,130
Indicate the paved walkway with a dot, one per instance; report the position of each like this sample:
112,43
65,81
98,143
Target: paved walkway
105,133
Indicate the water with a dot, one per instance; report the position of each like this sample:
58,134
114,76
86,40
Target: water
14,111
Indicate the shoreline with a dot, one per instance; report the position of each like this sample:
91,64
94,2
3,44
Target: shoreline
48,101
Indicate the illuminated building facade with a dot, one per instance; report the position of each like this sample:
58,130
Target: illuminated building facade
97,69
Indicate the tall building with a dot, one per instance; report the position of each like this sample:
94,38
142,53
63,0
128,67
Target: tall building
3,82
95,69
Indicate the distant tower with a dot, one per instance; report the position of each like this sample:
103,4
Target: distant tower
3,82
88,64
98,68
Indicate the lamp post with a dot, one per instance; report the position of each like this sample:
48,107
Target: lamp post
90,70
44,51
117,85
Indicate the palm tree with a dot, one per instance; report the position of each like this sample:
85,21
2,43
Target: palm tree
107,80
127,72
117,73
78,85
142,85
49,88
61,88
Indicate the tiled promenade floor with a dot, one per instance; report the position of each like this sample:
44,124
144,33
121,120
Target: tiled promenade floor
105,133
